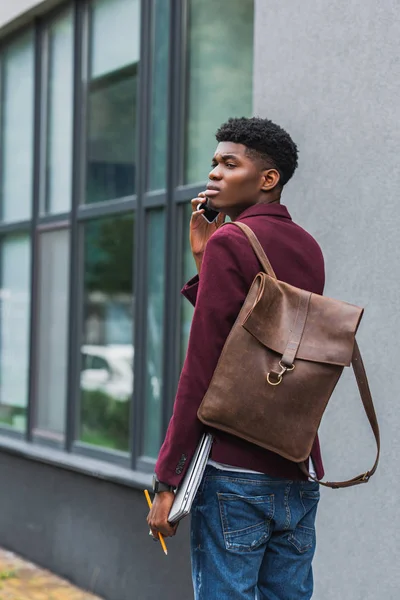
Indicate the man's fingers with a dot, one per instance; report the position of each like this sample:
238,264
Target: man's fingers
154,533
196,213
166,529
163,527
157,518
201,198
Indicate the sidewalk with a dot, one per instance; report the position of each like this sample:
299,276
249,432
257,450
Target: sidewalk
21,580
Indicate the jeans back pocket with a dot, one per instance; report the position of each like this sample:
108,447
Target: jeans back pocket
245,520
303,536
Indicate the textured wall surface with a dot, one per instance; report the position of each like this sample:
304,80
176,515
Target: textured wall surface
329,72
90,531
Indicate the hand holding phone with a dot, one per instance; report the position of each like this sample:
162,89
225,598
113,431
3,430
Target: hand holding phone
209,214
202,229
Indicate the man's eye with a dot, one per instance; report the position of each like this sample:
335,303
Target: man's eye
230,165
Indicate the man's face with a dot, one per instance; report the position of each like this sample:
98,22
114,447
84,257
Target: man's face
235,180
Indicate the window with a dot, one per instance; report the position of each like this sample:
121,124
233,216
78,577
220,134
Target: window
112,99
94,235
155,325
220,75
17,129
52,343
58,177
159,94
14,330
106,381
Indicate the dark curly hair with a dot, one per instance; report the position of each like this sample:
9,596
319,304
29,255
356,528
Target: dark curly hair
263,139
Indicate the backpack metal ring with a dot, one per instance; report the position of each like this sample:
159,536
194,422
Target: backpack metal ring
279,375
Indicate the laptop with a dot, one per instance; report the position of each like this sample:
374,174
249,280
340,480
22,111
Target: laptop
190,484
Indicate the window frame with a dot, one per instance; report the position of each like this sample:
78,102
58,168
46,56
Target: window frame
22,224
45,213
71,452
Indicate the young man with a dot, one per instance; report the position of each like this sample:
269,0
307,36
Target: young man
253,518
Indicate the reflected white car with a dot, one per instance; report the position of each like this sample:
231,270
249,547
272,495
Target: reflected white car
108,369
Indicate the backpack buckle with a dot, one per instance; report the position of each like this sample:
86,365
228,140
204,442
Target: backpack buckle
279,375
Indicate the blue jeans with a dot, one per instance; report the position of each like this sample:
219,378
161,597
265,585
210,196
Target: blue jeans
253,536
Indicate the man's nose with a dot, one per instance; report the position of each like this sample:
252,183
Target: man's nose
215,173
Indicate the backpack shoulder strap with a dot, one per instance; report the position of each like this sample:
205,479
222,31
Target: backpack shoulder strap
255,244
365,393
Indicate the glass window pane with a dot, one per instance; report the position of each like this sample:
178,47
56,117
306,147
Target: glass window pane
17,134
14,329
155,327
220,75
115,41
188,271
107,351
111,145
60,105
159,95
53,331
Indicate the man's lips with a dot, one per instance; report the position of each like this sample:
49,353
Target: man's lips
212,191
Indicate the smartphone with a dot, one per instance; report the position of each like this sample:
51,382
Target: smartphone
209,214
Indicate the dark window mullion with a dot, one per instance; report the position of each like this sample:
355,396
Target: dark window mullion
36,149
171,358
16,227
139,390
184,193
110,207
51,221
154,200
76,247
55,225
139,262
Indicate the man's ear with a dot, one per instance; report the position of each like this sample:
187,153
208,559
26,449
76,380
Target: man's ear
271,179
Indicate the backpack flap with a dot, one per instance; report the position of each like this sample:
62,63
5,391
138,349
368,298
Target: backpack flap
329,330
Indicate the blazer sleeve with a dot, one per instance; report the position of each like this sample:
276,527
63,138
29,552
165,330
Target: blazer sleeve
221,292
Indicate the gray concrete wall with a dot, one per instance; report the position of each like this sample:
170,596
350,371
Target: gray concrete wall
90,531
330,73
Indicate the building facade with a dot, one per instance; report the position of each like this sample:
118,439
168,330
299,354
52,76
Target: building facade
108,110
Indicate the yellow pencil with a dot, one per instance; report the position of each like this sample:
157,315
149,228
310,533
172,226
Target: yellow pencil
160,537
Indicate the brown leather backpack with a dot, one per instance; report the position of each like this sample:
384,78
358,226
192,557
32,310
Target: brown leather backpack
280,365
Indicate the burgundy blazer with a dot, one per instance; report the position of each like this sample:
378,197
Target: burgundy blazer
228,268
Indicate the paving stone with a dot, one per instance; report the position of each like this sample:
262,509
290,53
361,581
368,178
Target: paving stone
22,580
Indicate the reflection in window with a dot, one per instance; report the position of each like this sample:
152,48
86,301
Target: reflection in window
220,75
17,129
14,330
155,326
53,333
159,94
111,144
59,127
188,271
107,351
